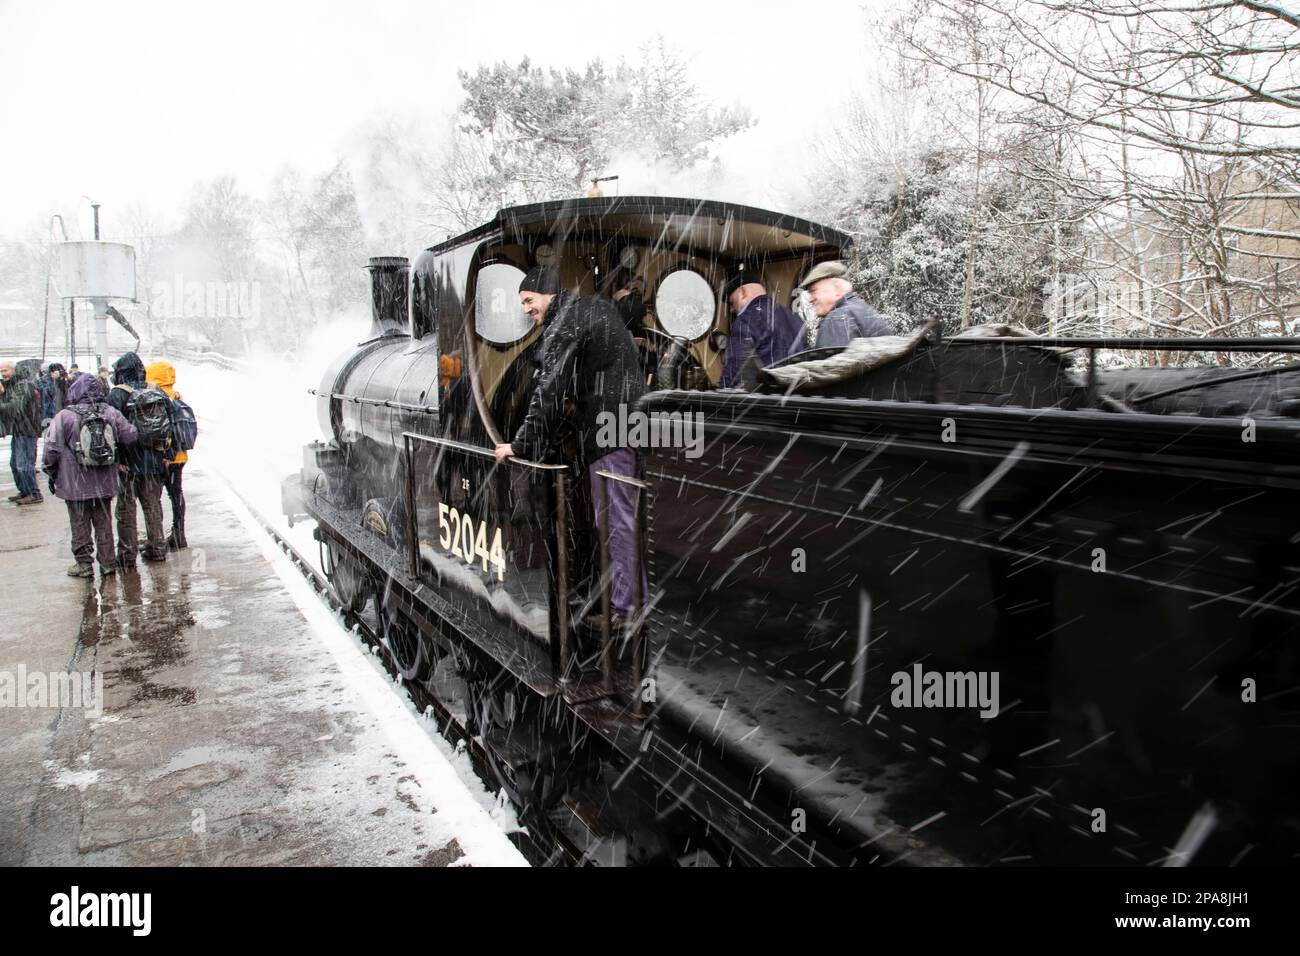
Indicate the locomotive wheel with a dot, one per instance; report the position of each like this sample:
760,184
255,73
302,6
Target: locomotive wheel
347,578
404,641
506,720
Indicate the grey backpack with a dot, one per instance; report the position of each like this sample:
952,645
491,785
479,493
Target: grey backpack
95,443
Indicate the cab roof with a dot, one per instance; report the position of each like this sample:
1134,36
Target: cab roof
699,224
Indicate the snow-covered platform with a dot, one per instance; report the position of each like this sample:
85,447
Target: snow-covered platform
209,711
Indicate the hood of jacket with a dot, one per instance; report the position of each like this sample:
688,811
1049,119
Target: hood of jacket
128,370
86,390
162,374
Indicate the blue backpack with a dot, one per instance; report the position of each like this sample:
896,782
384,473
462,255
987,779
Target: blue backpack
185,427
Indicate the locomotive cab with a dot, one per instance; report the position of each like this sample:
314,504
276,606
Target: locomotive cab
446,374
677,254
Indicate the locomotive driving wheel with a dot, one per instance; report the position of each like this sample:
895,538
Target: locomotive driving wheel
521,760
346,576
409,650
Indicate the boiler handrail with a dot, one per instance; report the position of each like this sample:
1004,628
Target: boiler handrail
480,452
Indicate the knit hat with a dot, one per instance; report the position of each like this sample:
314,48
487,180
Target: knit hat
542,279
741,279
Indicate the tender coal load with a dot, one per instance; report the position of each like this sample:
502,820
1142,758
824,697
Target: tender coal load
1212,392
960,372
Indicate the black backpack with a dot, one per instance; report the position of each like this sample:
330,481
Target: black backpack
150,411
185,426
95,442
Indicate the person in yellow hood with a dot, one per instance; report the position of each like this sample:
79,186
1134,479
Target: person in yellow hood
163,375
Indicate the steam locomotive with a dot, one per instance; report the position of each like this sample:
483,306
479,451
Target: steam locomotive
977,602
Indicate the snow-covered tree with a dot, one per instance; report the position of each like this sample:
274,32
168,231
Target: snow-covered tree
318,232
527,134
912,223
1177,153
215,257
952,215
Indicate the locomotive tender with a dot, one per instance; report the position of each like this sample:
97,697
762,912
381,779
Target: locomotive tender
968,605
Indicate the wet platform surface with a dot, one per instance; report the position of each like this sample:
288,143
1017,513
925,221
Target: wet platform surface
233,726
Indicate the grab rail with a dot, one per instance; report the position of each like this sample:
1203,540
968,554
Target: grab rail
379,402
1148,344
480,451
1278,344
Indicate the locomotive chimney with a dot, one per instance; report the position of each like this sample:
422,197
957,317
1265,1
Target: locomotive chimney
388,295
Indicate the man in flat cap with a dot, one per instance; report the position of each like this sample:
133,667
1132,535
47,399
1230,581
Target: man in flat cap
760,327
587,356
844,315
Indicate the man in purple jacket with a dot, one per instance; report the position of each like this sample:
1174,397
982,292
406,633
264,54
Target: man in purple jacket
88,490
761,327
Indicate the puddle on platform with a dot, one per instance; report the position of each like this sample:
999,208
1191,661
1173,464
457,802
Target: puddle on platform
141,623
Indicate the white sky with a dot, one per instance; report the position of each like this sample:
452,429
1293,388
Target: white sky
134,101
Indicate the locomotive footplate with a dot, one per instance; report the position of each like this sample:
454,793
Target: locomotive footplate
585,689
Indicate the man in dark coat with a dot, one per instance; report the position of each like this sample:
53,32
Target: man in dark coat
143,470
762,327
87,490
21,405
49,390
58,376
844,315
588,357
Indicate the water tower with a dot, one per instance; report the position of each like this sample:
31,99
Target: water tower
98,271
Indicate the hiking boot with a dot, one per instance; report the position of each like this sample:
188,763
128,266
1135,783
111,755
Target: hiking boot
29,500
80,570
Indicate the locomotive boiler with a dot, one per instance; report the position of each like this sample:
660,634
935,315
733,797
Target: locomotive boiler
972,600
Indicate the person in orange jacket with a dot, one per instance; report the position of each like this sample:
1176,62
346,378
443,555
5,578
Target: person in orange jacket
163,375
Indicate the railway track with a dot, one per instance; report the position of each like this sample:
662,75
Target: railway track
542,842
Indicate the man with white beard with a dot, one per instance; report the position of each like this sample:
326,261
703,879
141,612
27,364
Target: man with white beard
843,313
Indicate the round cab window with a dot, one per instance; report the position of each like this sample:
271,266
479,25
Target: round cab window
684,305
499,318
